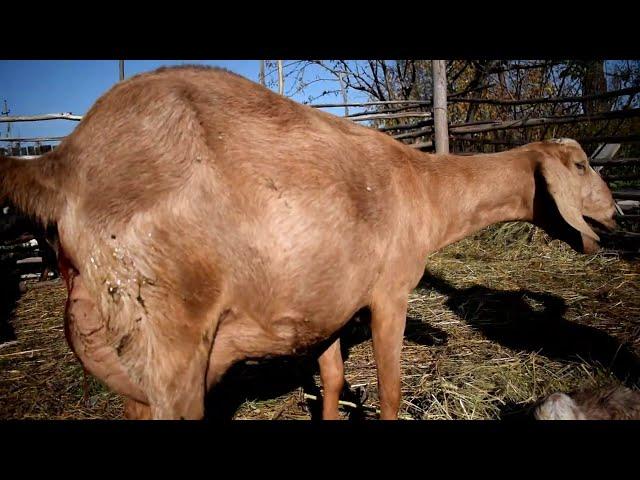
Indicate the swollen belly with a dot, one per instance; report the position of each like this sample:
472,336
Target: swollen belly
241,336
86,334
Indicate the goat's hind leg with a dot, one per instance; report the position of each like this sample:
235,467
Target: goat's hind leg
177,389
183,375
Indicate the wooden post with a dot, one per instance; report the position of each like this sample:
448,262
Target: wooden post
439,74
344,94
280,78
6,112
261,74
121,62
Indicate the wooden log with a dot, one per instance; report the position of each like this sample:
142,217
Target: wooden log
624,176
496,125
534,101
18,245
627,194
46,116
630,217
27,157
614,162
370,104
29,260
628,205
422,145
385,116
280,78
610,139
420,124
386,110
31,139
343,89
622,234
536,122
417,133
440,122
584,140
455,98
16,257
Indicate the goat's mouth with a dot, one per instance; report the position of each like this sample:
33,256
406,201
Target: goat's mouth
604,225
602,228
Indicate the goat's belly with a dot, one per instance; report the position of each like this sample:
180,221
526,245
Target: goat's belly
241,336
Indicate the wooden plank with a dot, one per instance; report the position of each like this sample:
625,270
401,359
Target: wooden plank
627,194
623,234
26,157
495,125
617,178
383,116
630,217
36,118
29,260
367,104
457,99
421,145
31,139
532,101
629,205
614,162
605,151
280,78
583,140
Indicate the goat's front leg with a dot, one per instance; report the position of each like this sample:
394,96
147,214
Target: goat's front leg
332,376
388,321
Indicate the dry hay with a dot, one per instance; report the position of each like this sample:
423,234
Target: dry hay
499,322
39,376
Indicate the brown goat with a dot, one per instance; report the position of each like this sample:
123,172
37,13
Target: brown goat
204,219
611,403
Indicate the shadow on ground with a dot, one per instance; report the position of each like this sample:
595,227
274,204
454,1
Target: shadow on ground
533,321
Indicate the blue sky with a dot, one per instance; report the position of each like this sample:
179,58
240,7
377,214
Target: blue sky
52,86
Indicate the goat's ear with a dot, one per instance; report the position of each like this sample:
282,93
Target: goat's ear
565,190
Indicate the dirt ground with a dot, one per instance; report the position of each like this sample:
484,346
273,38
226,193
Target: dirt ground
492,328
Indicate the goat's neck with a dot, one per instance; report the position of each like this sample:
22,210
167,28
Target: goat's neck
464,194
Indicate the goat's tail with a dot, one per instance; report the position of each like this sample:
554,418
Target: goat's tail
34,186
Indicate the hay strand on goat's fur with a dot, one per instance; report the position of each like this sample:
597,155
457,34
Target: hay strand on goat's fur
502,321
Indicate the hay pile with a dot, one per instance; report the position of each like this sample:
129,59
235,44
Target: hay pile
39,376
499,322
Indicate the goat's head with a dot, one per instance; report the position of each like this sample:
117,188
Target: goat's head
565,178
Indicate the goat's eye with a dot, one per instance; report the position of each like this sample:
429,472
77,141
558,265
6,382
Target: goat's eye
581,167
